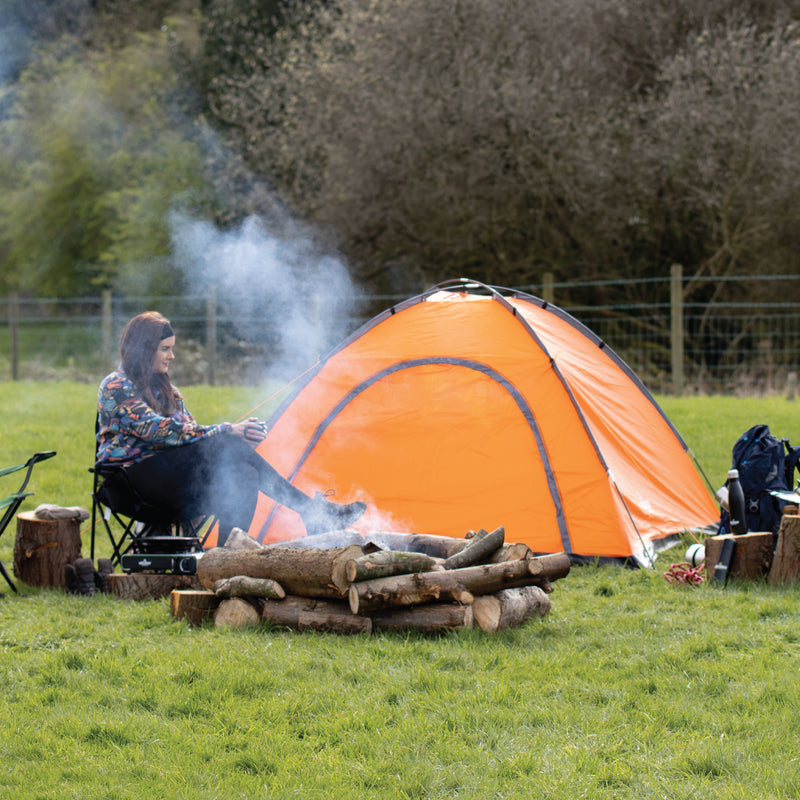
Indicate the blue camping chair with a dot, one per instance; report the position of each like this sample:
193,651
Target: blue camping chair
12,503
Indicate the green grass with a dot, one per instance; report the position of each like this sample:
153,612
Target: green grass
630,688
711,424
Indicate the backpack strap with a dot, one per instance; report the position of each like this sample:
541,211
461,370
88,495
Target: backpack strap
791,462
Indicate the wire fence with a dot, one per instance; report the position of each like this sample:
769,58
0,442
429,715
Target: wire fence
676,345
739,349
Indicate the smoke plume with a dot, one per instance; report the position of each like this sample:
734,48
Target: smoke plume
284,291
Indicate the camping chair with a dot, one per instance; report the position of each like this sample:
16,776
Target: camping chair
141,524
12,503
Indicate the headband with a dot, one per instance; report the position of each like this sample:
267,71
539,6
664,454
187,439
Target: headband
167,331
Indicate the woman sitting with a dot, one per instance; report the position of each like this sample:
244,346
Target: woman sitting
172,461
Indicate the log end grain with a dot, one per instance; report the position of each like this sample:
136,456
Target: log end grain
196,606
510,608
236,612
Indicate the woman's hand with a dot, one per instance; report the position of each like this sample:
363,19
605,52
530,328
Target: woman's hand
251,430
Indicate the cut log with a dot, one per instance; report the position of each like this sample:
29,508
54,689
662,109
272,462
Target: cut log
308,572
430,545
437,546
308,613
509,608
321,541
786,562
195,605
316,621
239,540
406,590
382,563
400,590
479,549
145,586
435,618
245,586
516,551
443,547
235,612
752,556
44,547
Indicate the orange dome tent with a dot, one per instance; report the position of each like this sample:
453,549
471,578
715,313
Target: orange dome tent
472,407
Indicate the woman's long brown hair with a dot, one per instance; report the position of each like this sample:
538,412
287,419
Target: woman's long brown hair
138,346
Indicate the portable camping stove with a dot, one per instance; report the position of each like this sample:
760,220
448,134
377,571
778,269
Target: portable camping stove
163,554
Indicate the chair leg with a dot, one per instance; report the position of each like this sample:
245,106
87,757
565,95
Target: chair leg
94,522
8,578
116,543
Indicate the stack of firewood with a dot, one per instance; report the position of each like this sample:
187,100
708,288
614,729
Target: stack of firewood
386,581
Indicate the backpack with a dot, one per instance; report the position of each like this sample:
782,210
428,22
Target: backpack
765,464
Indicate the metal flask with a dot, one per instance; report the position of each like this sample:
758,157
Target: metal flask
736,503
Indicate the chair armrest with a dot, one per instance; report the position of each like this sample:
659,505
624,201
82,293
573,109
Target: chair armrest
34,459
10,470
12,498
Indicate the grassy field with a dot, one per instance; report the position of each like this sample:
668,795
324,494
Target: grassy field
630,688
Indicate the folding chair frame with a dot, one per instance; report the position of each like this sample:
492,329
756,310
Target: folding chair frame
12,503
144,521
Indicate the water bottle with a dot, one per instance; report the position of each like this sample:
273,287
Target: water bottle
736,503
695,555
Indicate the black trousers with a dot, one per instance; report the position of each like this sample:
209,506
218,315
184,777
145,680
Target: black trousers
220,475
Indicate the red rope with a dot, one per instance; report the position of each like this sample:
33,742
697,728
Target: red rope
686,573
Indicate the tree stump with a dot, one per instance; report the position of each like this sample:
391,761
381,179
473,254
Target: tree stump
147,586
786,562
752,556
44,547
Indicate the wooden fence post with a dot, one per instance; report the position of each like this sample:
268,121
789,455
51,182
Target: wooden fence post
105,327
676,328
13,333
211,335
548,291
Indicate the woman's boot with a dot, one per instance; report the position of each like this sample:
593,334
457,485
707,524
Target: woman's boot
323,516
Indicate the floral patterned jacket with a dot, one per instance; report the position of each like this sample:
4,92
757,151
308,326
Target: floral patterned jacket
129,430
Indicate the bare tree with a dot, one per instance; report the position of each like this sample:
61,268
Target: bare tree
719,138
503,138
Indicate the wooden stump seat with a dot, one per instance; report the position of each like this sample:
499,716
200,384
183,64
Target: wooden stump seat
44,547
